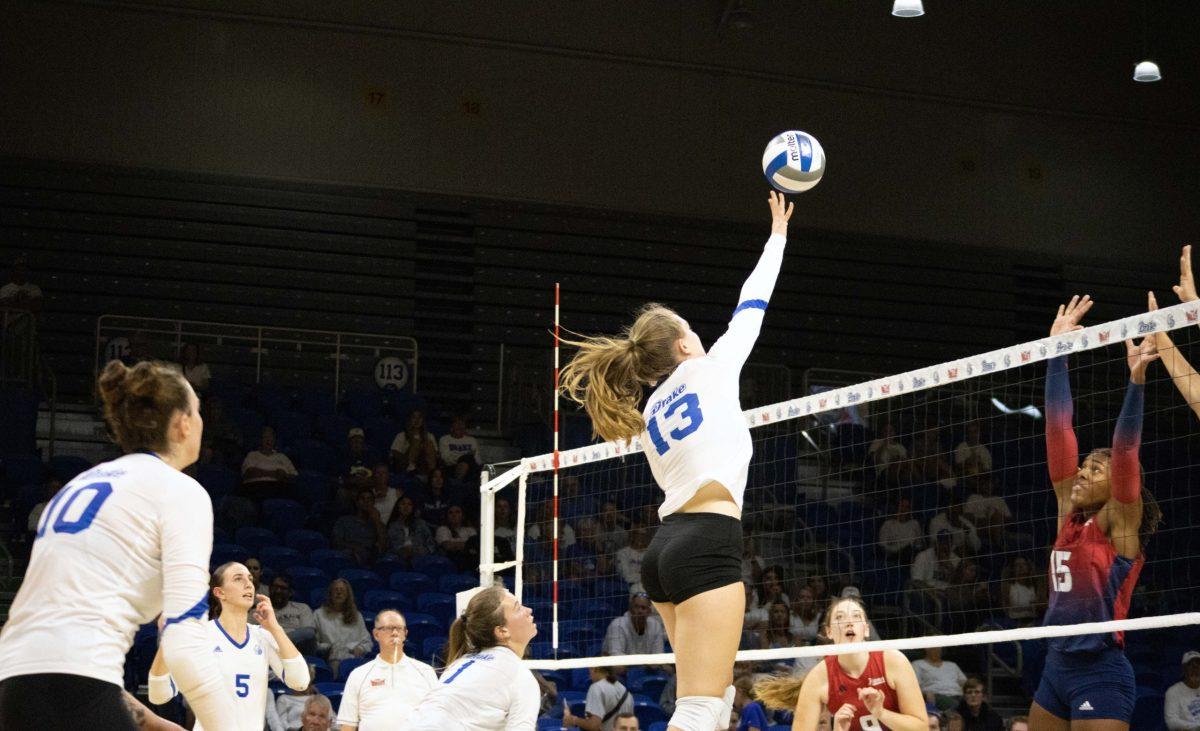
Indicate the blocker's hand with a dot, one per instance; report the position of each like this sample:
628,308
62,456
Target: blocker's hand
1186,289
1070,314
781,212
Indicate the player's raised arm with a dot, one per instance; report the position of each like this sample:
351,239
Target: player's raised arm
283,657
1183,375
733,348
1062,448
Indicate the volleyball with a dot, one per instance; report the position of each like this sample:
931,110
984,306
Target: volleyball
793,162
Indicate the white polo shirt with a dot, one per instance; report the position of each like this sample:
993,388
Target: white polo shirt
379,695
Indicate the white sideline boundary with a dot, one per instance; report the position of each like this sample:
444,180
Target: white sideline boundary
907,643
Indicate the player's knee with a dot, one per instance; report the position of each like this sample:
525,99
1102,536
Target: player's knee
699,713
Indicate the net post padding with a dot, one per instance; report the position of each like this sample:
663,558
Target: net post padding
909,643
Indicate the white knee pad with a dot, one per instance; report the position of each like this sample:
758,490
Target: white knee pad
730,692
699,713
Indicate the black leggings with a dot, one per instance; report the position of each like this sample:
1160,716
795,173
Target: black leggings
59,702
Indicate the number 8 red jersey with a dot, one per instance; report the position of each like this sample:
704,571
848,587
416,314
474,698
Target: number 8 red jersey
844,689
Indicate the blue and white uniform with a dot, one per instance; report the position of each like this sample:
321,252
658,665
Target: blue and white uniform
695,430
243,667
118,545
485,691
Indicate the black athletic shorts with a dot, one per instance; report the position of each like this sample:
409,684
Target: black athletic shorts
59,702
692,553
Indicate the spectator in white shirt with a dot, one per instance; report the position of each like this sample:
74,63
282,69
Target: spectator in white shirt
806,616
941,680
458,444
194,370
886,449
381,485
613,535
606,697
636,632
453,535
265,471
971,456
20,293
900,535
933,568
963,533
414,449
296,618
1181,706
629,558
290,706
384,692
1022,591
341,632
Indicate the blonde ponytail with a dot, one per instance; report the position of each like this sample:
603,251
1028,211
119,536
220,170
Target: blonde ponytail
606,374
779,692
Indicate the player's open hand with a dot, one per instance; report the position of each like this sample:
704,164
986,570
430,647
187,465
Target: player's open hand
1186,289
1070,315
844,717
872,698
781,212
1139,357
264,612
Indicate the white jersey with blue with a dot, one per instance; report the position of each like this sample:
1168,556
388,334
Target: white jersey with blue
118,545
695,430
485,691
243,665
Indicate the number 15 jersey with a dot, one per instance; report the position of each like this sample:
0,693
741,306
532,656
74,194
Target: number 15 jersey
695,429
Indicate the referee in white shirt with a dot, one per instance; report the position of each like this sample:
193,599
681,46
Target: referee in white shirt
381,694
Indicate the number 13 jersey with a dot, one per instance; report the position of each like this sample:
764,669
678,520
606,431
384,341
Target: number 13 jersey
695,429
1089,582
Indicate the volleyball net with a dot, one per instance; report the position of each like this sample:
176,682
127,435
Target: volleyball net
925,493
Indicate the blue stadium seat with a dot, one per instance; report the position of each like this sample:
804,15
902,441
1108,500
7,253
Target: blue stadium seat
581,680
311,487
549,724
291,427
441,606
218,480
363,403
330,560
454,583
316,597
361,581
658,726
653,686
574,699
305,541
432,646
331,690
410,582
271,398
280,558
388,564
1148,711
378,599
220,535
347,666
649,712
249,422
311,454
305,579
316,401
434,566
255,539
421,628
226,552
321,671
380,430
66,467
23,470
282,515
333,429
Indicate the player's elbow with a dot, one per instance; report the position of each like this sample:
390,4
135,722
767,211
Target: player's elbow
295,675
161,689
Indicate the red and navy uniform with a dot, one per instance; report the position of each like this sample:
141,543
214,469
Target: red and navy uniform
1088,676
1089,582
843,689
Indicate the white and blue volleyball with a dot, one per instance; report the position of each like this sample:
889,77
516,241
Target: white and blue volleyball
793,162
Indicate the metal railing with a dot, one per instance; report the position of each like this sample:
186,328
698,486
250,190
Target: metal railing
255,353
